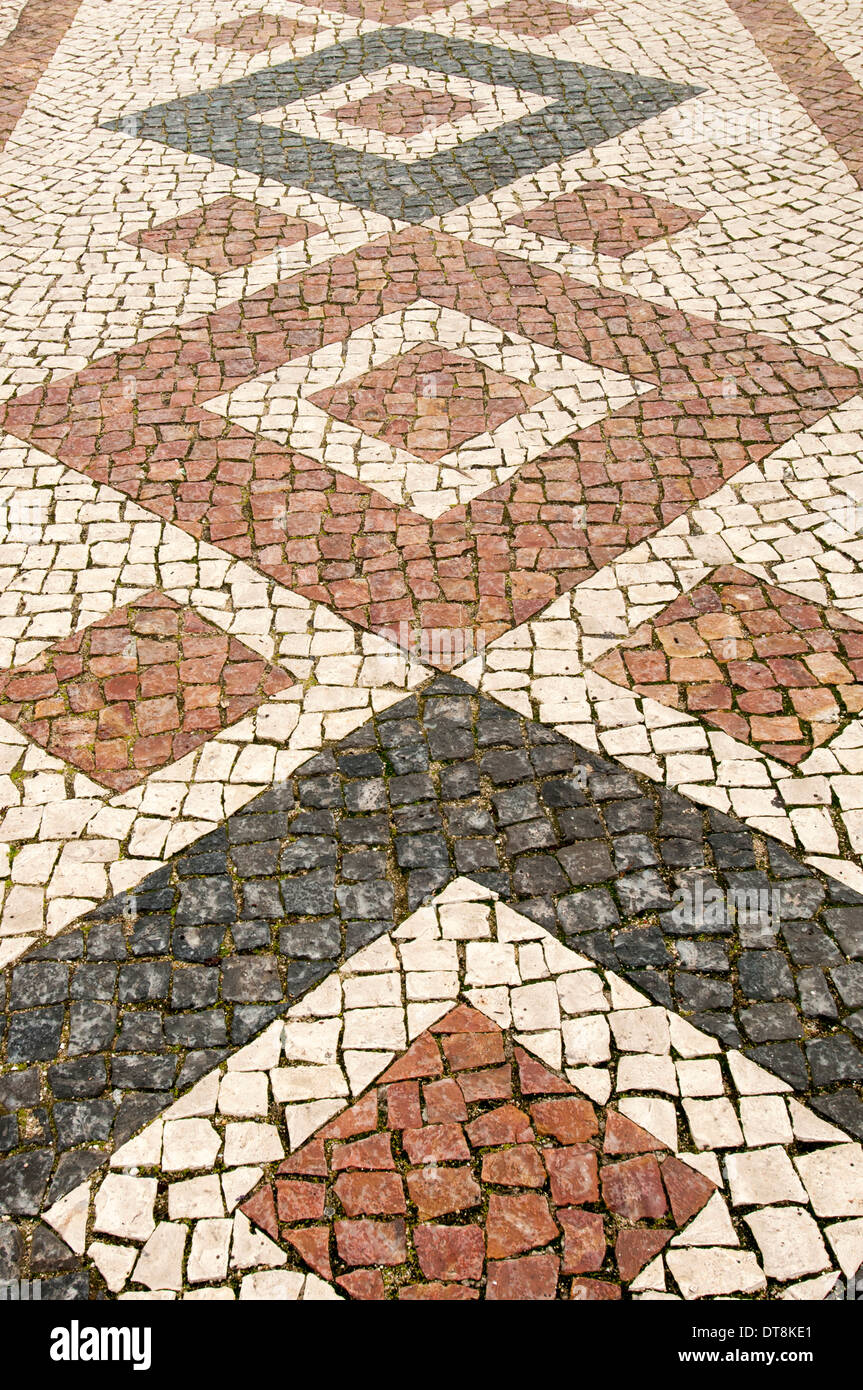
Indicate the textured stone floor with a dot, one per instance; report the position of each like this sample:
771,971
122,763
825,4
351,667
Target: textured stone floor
431,649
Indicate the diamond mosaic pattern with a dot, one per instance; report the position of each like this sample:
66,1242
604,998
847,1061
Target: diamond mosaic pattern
587,106
431,811
137,690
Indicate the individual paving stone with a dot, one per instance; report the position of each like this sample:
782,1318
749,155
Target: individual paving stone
609,220
11,1252
517,1225
790,1242
23,1181
846,925
756,661
765,975
223,235
136,690
716,1272
834,1184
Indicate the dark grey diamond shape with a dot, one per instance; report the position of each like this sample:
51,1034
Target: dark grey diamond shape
589,105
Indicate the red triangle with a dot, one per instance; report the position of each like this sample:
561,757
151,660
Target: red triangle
568,1119
372,1154
635,1249
688,1190
421,1059
535,1079
313,1243
261,1208
623,1136
154,599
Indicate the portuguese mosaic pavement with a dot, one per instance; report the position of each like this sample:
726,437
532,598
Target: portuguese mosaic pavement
431,649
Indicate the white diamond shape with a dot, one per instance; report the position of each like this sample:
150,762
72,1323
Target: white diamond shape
312,116
276,405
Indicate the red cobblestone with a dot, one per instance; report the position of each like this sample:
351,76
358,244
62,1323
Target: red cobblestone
371,1242
688,1190
438,1293
466,1050
520,1166
435,1143
633,1188
370,1194
299,1201
623,1136
635,1249
374,1152
570,1121
594,1290
518,1222
450,1252
507,1124
313,1244
440,1191
573,1174
583,1240
443,1102
403,1105
532,1277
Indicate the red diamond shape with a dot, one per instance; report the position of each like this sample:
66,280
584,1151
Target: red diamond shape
136,690
404,109
536,18
255,33
225,234
609,220
428,401
756,661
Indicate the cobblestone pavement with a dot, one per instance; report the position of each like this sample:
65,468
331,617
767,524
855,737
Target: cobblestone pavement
431,649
